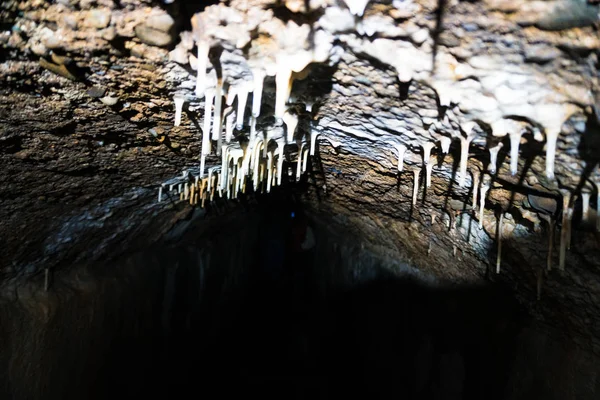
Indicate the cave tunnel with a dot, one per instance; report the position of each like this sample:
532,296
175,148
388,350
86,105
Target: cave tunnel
303,199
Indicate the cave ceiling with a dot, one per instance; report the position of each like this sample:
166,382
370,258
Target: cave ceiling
437,130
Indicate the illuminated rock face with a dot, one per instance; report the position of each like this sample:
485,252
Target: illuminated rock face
410,133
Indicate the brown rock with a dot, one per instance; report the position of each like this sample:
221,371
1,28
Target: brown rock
153,37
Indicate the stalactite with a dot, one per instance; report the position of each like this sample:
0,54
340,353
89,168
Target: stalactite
427,146
585,204
201,64
484,189
464,157
299,162
202,164
259,78
428,169
178,109
241,106
313,141
257,163
160,194
269,170
231,95
192,194
445,142
252,128
357,7
280,148
305,161
282,89
565,230
229,124
475,188
217,119
515,141
415,186
291,122
224,164
499,240
208,103
494,157
401,152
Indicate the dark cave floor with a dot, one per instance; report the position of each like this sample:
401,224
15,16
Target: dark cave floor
390,338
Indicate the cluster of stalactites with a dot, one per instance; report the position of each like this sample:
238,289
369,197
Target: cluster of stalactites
258,160
481,184
240,167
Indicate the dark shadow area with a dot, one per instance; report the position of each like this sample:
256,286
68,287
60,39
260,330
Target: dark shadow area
278,335
251,313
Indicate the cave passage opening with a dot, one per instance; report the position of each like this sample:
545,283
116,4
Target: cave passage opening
288,316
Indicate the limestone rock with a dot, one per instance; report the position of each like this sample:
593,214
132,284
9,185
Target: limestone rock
153,37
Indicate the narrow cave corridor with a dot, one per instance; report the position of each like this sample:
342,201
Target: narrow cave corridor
236,310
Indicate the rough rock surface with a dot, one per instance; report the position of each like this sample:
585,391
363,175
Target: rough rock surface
87,129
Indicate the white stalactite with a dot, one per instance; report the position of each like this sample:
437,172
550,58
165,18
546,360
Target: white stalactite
241,107
224,166
475,189
499,239
282,89
291,122
305,161
202,164
415,186
428,169
217,120
256,163
201,64
427,146
208,102
492,168
252,128
299,162
585,203
565,231
229,125
401,152
484,189
515,141
280,147
259,78
160,194
464,157
357,7
178,109
445,142
269,170
231,95
313,141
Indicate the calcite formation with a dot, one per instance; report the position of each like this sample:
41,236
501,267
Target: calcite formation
480,97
